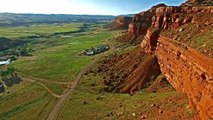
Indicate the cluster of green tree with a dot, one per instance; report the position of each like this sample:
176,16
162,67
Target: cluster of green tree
10,77
23,50
6,43
20,48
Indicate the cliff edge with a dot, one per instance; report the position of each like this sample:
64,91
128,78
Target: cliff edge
178,42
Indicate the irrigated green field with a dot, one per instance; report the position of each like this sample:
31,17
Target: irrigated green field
34,30
60,62
60,59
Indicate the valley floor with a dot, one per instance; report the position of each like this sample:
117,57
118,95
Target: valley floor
59,82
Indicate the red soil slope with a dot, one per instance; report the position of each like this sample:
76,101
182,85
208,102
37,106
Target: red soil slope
129,72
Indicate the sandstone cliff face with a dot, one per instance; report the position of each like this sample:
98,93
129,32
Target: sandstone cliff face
166,17
198,2
120,22
186,69
142,21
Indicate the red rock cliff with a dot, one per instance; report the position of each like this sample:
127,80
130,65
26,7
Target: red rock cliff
142,21
198,2
166,17
120,22
186,69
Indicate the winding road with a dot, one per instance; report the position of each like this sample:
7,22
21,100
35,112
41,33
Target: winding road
53,114
72,87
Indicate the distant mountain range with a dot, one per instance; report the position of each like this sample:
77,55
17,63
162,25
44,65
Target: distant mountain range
11,19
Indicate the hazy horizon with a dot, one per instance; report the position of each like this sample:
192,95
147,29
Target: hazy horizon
80,7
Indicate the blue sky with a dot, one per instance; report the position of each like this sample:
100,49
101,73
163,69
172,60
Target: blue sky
104,7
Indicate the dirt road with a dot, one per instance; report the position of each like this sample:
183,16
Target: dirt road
74,84
72,87
41,84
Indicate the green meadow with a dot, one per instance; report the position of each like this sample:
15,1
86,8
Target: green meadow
54,63
34,30
62,61
26,101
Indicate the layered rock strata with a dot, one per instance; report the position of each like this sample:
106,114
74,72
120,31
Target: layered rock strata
167,17
186,69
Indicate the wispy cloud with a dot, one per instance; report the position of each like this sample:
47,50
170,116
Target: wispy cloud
80,6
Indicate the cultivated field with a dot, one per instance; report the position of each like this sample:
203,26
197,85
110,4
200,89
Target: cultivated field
36,30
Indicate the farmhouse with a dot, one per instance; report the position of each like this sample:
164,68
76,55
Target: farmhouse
97,50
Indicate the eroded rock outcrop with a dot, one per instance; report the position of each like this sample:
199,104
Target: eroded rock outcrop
120,22
168,17
186,69
142,21
198,2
